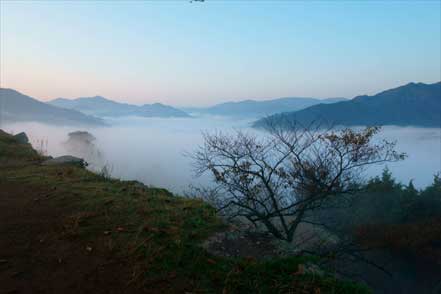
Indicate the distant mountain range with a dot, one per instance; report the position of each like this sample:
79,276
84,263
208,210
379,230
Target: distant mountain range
17,107
102,107
414,104
256,109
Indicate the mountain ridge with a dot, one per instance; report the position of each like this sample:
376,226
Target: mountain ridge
18,107
104,107
412,104
260,108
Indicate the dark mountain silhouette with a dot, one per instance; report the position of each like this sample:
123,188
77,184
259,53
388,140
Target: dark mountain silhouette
17,107
414,104
254,108
102,107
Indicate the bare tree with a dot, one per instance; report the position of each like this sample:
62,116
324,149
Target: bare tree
279,178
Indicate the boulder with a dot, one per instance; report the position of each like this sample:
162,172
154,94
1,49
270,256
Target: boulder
313,269
66,160
22,138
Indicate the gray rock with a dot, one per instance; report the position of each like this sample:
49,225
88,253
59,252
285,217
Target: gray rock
66,160
22,138
313,269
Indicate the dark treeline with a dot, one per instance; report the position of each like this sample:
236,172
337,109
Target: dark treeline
384,200
392,216
395,202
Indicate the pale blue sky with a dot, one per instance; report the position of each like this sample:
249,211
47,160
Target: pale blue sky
183,53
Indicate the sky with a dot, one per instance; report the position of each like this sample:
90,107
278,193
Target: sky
182,53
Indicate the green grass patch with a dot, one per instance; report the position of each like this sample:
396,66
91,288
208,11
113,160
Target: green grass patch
159,233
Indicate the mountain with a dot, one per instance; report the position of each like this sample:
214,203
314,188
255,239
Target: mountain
414,104
158,109
102,107
17,107
253,108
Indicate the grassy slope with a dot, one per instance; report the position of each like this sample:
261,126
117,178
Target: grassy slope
157,233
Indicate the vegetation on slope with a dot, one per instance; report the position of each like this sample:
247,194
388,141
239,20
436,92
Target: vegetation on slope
400,218
155,232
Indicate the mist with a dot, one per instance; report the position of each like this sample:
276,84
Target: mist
152,150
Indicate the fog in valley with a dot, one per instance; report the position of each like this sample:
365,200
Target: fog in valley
152,150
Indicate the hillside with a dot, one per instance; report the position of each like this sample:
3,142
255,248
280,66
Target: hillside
254,108
414,104
102,107
67,230
17,107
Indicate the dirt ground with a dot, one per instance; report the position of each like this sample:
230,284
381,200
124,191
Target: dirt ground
38,256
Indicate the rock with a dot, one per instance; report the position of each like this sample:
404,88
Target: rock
66,160
22,138
313,269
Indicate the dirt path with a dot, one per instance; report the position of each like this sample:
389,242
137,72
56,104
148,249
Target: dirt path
36,256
